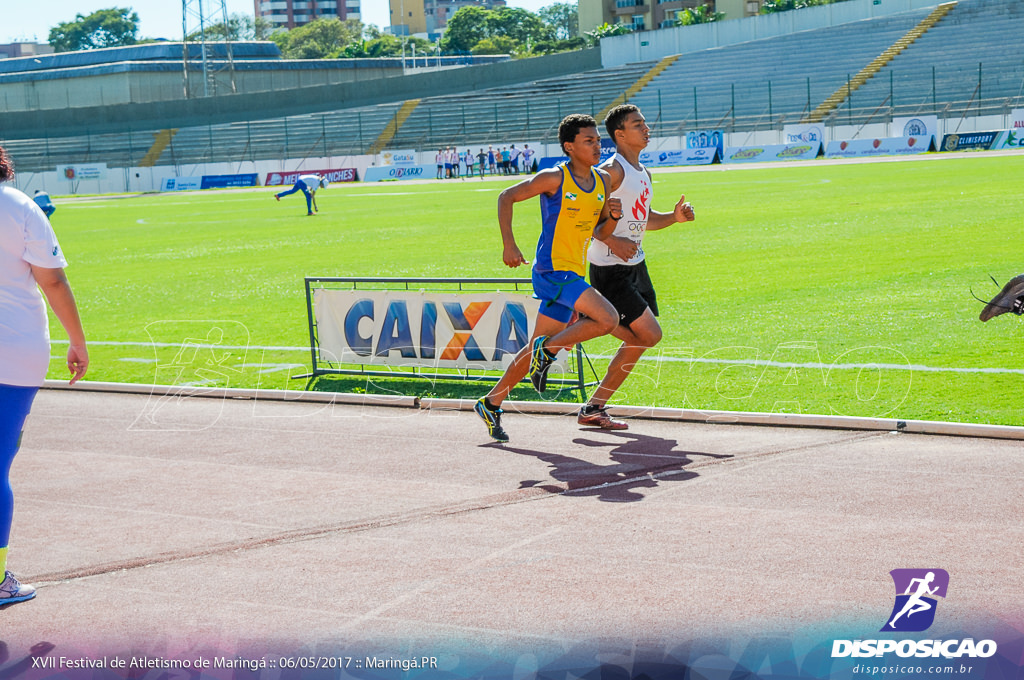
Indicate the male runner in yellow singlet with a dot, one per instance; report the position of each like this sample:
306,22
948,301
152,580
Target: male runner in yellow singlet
574,208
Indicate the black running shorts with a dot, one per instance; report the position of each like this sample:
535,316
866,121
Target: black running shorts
628,287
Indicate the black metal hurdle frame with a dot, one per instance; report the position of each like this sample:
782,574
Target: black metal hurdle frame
322,366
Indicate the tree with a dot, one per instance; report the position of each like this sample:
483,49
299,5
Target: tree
698,15
498,44
563,18
319,39
521,25
112,27
772,6
606,31
465,29
240,27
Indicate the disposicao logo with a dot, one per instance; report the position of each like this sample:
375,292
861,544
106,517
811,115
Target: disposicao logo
917,593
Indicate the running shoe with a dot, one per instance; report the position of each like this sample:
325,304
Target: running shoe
277,197
597,416
1009,299
540,362
12,591
492,418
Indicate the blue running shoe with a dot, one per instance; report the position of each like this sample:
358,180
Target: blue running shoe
540,362
492,418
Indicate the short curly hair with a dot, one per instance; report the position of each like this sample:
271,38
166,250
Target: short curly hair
6,166
571,126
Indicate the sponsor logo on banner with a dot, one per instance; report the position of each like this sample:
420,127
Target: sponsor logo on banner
967,141
705,139
226,181
1010,139
887,146
1017,119
181,183
804,134
661,159
80,172
913,611
398,157
439,330
773,152
276,179
383,173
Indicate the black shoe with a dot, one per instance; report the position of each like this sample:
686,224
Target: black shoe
492,418
1009,299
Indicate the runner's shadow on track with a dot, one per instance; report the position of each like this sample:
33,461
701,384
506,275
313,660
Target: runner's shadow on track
636,460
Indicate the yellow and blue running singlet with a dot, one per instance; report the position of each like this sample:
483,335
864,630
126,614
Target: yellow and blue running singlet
568,221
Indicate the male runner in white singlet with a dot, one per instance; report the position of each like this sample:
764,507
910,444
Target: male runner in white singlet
617,266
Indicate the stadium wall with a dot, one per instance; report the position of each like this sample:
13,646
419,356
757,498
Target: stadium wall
107,112
134,180
652,45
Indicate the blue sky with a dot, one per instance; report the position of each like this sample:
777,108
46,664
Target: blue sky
157,18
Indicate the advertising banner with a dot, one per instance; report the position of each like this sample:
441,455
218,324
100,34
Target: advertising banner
1017,119
403,157
181,183
888,146
1009,139
659,159
705,139
804,134
969,140
380,174
225,181
435,330
802,151
915,126
84,171
276,179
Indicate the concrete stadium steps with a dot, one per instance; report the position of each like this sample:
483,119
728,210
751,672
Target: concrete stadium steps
392,128
639,85
765,79
943,65
868,72
530,111
160,142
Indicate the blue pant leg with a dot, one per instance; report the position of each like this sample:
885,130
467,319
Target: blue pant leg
299,186
309,198
15,403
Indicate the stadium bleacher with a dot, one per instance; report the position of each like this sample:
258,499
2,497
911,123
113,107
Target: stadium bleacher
972,59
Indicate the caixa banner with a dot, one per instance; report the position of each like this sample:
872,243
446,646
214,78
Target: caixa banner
435,330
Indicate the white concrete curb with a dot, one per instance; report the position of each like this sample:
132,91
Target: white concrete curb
563,408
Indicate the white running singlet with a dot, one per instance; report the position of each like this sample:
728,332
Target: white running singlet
635,194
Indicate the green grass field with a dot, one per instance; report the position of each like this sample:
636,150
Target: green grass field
792,282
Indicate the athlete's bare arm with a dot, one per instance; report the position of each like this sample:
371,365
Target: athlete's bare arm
544,182
621,247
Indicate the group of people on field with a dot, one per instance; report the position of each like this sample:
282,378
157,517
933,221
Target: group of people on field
508,160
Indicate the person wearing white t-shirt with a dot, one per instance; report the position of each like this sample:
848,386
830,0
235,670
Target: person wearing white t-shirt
618,269
30,260
307,184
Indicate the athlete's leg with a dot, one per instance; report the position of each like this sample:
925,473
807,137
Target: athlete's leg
309,200
520,365
15,403
637,338
599,318
299,186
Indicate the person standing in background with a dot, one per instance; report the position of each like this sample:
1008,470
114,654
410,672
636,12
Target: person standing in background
30,261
